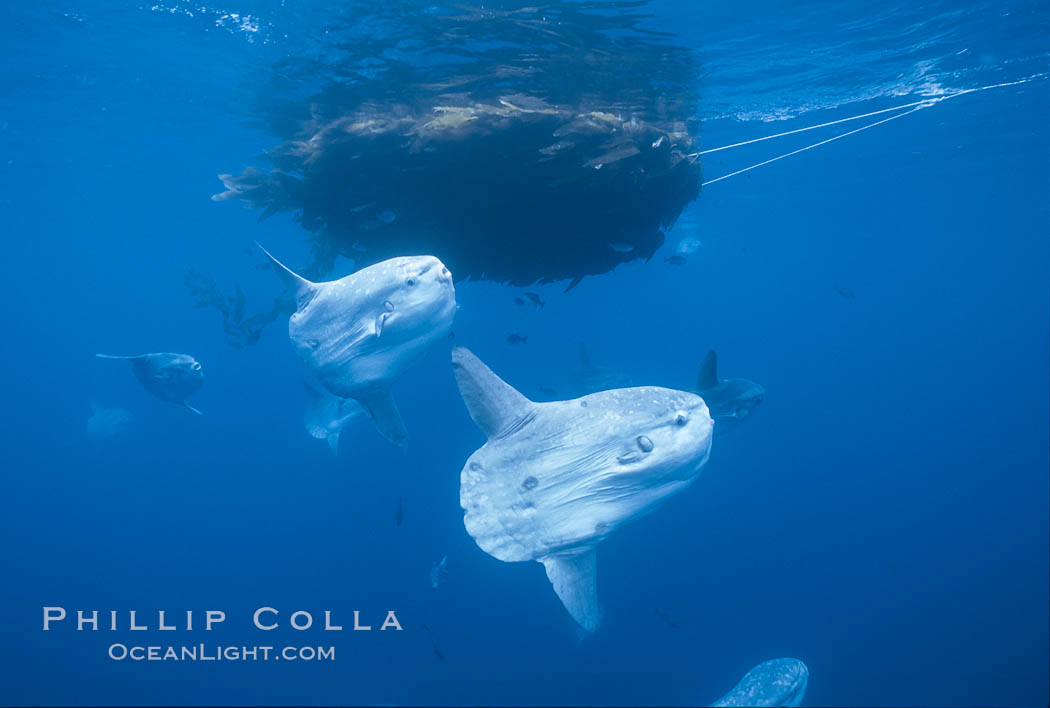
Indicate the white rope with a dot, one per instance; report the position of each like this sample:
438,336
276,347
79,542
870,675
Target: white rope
810,147
814,127
914,106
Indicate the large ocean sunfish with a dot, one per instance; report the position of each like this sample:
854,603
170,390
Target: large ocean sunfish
730,400
779,682
357,334
172,377
554,479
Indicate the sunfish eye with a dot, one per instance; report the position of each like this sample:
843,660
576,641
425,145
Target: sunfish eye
644,444
680,419
410,282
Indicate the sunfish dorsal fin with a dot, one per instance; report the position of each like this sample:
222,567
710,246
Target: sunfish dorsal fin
493,404
575,580
112,356
380,405
301,285
707,377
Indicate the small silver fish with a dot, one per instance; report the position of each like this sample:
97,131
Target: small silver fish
535,299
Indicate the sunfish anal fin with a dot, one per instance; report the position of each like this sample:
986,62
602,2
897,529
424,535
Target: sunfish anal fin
575,580
707,377
494,405
387,419
333,443
191,408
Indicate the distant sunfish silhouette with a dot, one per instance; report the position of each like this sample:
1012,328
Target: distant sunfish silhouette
730,400
554,479
326,415
105,423
780,682
591,379
437,572
357,334
172,377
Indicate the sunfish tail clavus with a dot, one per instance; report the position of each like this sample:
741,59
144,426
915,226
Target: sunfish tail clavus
357,334
169,376
554,479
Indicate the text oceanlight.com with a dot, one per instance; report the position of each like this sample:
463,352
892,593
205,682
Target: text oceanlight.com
202,652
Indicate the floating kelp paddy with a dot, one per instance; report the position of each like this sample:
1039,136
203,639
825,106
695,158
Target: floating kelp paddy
517,143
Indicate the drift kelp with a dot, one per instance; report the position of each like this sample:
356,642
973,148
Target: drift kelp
515,143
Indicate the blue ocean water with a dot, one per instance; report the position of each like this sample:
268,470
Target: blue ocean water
883,516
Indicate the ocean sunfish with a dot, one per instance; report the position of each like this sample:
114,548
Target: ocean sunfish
556,478
105,423
326,415
780,682
357,334
591,379
730,400
438,572
172,377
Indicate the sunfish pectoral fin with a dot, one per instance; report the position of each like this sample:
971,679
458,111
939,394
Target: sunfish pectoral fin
494,405
707,377
575,580
301,285
191,408
387,419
